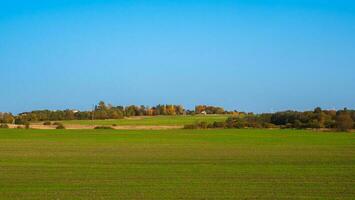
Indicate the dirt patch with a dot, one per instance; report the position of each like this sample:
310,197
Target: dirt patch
77,126
16,126
137,117
126,127
146,127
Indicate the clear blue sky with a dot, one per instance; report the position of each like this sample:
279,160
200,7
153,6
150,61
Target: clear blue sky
248,55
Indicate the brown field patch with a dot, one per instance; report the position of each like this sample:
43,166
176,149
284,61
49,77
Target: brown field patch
77,126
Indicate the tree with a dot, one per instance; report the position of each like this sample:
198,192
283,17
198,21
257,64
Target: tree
298,124
130,111
115,114
179,110
6,118
317,110
69,115
150,111
199,109
344,122
314,123
101,106
170,110
163,110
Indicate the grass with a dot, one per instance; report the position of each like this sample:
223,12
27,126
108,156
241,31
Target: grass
176,164
153,121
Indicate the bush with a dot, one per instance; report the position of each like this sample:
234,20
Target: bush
289,125
47,123
269,125
4,126
202,125
313,124
254,125
240,124
230,122
57,123
210,126
198,125
61,126
205,125
219,124
114,124
103,127
190,126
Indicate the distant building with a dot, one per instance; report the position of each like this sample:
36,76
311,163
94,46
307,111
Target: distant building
203,113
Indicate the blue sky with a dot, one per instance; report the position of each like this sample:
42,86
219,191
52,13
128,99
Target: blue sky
250,55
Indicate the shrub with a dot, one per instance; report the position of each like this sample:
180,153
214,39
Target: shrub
269,125
202,125
330,124
61,126
114,124
4,126
283,127
254,125
210,125
240,124
298,124
57,123
103,127
205,125
47,123
197,125
190,126
313,124
219,124
230,122
289,125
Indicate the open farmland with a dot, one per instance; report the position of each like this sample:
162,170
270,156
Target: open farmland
176,164
179,120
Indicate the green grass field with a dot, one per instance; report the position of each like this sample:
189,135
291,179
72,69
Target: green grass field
176,164
153,121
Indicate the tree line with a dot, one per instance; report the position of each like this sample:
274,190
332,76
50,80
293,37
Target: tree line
106,111
317,119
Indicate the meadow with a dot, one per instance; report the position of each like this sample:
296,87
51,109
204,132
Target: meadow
176,164
178,120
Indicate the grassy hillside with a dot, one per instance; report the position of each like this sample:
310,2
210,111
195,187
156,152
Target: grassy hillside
176,164
156,120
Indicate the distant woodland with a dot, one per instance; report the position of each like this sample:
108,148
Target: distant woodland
316,119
